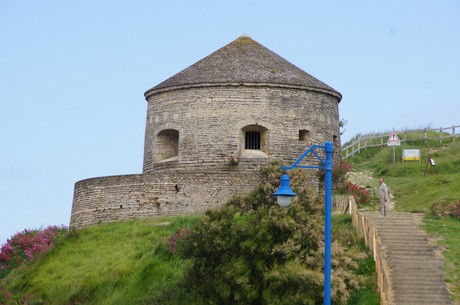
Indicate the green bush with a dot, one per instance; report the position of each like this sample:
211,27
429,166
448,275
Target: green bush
251,251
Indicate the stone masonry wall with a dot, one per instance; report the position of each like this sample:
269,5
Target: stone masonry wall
210,122
114,198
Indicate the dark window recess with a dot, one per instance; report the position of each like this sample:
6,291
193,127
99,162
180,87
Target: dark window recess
304,135
252,140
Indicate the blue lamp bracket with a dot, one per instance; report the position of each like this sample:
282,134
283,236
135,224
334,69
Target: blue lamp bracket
326,165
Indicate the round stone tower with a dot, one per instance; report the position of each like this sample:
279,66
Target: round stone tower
209,129
242,100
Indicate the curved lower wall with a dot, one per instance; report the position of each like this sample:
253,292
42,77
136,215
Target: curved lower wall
162,193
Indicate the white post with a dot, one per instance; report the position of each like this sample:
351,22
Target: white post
394,155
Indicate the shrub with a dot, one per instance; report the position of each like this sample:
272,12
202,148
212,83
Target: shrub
339,171
25,246
251,251
341,168
446,209
359,193
175,238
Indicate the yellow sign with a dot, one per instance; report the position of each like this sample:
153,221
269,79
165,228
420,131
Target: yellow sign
411,155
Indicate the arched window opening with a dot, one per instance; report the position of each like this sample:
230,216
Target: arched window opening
167,145
254,142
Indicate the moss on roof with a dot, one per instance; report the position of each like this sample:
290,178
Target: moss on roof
243,61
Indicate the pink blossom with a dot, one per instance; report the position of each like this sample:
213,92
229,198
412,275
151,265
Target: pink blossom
26,245
175,237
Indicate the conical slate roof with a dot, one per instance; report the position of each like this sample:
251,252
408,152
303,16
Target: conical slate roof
243,61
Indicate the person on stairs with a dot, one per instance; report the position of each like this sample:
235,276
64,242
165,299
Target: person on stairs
383,196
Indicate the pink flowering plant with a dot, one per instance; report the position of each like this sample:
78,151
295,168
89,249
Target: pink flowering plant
339,170
343,186
233,160
25,246
359,193
172,243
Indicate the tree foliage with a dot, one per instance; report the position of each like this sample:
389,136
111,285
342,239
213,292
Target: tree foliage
251,251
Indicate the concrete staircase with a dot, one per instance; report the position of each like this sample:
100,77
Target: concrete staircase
415,265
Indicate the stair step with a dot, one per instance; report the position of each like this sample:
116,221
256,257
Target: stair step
417,274
428,253
415,298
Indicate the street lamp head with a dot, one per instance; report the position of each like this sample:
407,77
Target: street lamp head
284,193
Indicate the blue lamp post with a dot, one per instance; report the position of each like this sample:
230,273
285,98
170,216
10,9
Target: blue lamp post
284,195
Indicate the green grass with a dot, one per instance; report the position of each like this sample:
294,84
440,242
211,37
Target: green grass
448,229
408,138
119,263
420,193
417,191
380,160
130,263
343,230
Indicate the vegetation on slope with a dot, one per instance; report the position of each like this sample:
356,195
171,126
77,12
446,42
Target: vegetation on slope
253,252
419,187
118,263
448,230
155,262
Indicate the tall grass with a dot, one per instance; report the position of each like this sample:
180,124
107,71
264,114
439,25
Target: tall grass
381,162
119,263
417,186
420,193
343,230
449,231
130,263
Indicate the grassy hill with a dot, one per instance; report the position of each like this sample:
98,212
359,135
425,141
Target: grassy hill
417,187
434,191
131,262
126,263
118,263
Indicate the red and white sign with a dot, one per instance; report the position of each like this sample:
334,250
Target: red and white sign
393,140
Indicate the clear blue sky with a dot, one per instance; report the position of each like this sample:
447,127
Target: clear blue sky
73,75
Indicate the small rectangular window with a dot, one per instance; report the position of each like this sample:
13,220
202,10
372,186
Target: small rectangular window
252,140
304,135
